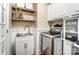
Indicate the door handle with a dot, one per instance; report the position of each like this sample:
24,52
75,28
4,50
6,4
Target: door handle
25,45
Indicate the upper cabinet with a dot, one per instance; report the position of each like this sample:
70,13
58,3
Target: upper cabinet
57,10
73,8
61,10
51,11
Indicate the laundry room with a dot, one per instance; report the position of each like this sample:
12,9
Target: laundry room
39,29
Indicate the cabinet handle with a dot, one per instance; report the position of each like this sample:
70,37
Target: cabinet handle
25,45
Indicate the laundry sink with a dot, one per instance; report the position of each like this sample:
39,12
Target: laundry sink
23,34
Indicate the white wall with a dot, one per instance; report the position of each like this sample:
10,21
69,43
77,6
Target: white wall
9,34
42,23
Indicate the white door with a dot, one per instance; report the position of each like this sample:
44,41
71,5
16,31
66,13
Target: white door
20,46
3,29
30,45
57,10
51,12
61,10
73,8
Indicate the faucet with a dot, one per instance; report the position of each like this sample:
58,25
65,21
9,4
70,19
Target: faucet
28,28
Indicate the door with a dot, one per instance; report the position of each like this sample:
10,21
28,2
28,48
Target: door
73,8
20,46
57,10
30,45
61,10
51,12
3,30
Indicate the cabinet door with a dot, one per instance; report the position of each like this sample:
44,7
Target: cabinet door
57,10
30,45
73,8
61,10
20,46
51,11
67,48
3,41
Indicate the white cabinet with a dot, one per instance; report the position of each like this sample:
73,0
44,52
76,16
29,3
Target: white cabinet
20,50
73,8
51,11
30,45
25,45
67,50
57,10
3,29
61,10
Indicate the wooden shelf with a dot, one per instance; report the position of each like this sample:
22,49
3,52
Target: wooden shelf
23,9
24,20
